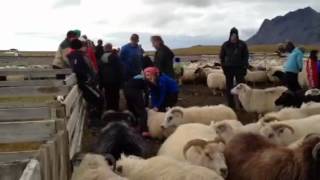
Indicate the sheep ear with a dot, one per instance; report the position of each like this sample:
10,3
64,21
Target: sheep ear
222,128
177,112
168,109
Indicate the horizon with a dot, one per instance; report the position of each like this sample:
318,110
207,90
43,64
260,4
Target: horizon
44,27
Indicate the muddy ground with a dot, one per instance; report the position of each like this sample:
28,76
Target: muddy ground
190,95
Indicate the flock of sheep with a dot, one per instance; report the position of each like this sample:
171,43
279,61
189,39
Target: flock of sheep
210,143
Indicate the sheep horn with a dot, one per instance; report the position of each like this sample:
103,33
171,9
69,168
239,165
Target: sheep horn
311,136
316,152
217,140
278,126
195,142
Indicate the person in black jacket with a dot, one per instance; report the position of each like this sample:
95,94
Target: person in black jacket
234,58
111,77
163,58
99,50
86,79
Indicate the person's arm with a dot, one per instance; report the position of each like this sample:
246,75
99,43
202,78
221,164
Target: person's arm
222,53
299,59
162,95
245,55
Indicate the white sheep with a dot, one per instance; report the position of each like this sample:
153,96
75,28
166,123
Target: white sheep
258,100
270,72
95,167
162,168
216,82
302,77
184,145
155,119
203,115
306,110
256,76
287,132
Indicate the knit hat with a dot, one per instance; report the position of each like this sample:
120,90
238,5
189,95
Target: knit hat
78,32
234,31
152,70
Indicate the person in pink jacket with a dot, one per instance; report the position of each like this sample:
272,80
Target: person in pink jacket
312,70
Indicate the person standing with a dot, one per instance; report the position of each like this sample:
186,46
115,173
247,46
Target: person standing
131,56
234,56
60,60
293,67
178,70
111,77
163,58
312,69
99,50
163,89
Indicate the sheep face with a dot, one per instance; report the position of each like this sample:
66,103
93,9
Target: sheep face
275,132
127,164
240,88
208,154
173,118
313,92
223,130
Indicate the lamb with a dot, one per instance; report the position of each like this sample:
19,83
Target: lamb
252,156
204,115
183,145
287,132
155,120
95,167
256,76
258,100
161,167
216,81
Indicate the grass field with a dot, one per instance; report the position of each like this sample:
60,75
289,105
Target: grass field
194,50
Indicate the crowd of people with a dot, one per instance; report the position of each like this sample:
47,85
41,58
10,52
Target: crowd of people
103,71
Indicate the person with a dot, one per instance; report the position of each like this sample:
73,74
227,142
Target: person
60,60
234,58
88,45
78,33
86,80
131,56
163,89
163,58
136,93
99,50
312,69
111,77
293,66
178,70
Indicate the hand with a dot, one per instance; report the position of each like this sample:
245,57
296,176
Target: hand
156,109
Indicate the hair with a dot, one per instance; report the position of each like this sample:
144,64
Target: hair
314,55
290,45
157,38
100,41
134,36
71,34
108,46
76,44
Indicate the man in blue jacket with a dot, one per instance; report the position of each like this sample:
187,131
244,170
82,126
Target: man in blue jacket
293,66
131,56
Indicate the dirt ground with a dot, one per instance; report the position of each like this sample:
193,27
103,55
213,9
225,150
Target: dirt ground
190,95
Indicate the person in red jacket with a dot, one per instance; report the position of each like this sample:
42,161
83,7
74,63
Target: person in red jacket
312,69
88,44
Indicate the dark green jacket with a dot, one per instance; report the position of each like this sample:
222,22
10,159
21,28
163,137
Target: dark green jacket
163,59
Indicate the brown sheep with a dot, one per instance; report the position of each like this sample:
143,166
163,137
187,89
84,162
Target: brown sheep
253,157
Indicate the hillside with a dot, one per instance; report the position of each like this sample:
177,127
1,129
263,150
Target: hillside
301,26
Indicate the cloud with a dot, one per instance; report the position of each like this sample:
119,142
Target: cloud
66,3
195,3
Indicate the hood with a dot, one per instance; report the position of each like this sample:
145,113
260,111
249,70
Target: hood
234,31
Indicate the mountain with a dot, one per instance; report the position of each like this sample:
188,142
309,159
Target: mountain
301,26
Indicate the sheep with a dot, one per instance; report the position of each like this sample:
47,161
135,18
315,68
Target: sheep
256,76
296,99
95,167
155,120
118,137
208,154
204,115
258,100
271,72
252,156
306,110
287,132
216,81
161,167
302,77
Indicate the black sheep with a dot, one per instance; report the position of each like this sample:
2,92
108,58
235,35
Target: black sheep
119,136
295,99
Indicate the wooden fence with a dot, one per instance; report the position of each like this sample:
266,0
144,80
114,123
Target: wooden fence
53,131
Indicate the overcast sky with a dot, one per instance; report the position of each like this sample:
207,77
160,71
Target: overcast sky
42,24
